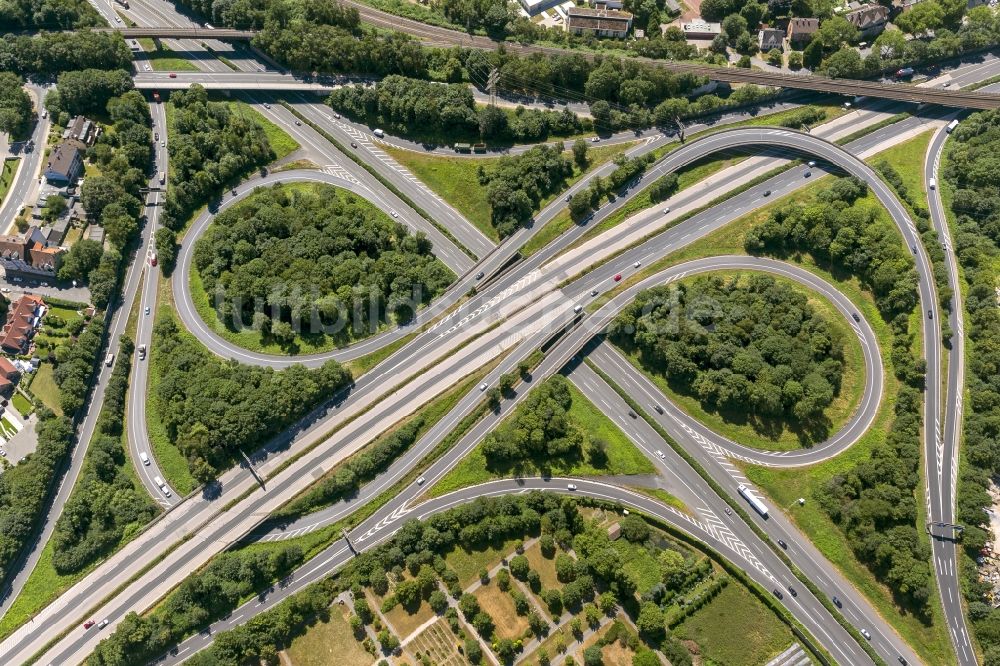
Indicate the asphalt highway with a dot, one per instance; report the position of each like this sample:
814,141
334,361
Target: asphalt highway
942,480
729,138
402,504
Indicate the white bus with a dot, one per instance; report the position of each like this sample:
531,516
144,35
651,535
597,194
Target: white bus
754,502
951,126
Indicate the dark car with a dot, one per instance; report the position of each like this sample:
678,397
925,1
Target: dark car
836,602
479,275
353,145
767,193
781,542
792,591
856,317
930,314
659,410
778,593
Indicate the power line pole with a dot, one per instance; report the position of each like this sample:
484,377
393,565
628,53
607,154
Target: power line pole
491,85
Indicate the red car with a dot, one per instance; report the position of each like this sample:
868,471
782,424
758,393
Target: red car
618,278
88,624
173,75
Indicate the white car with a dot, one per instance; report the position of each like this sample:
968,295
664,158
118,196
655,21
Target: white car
659,454
571,486
420,481
3,453
482,387
666,210
393,213
637,264
812,163
103,623
867,634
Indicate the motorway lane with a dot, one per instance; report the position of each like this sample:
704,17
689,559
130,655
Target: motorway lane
399,507
840,441
758,133
724,535
941,496
197,528
464,231
716,462
136,429
729,178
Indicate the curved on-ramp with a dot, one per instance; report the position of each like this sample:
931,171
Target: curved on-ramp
61,618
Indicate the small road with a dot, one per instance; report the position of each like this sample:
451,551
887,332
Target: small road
25,179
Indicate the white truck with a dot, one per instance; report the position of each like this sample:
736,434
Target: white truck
757,505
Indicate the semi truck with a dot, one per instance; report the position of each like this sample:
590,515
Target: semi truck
757,505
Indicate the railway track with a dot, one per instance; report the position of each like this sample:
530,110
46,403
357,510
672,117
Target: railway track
437,36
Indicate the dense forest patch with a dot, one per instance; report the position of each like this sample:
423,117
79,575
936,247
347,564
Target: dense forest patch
317,262
751,349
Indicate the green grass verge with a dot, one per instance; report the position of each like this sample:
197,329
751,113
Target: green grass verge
456,180
838,413
170,460
162,59
7,177
22,404
281,142
763,635
44,388
623,457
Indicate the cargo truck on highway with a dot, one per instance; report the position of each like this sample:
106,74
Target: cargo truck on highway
757,505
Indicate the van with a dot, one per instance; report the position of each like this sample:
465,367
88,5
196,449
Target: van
949,129
158,481
144,458
932,183
109,360
379,133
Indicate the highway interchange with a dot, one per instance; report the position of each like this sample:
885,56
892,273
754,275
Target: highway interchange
533,300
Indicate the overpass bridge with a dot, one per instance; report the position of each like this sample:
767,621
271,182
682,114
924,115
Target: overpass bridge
184,33
229,81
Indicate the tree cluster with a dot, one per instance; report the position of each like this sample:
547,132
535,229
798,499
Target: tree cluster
51,53
750,344
971,171
105,504
216,590
211,144
844,230
212,408
16,109
414,107
289,260
872,502
24,487
628,171
52,14
75,367
540,428
516,185
87,91
112,197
